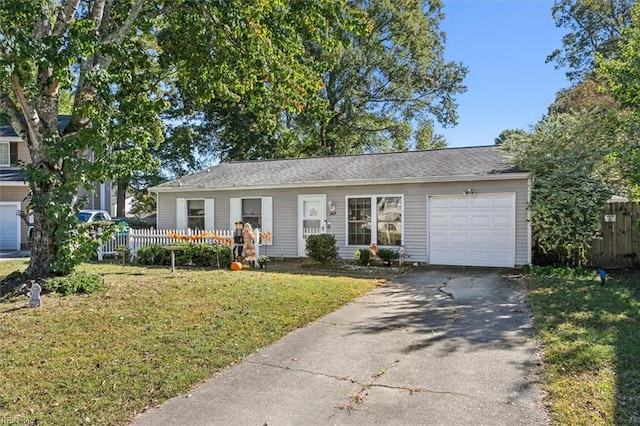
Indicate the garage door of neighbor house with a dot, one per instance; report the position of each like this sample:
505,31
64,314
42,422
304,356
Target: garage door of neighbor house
472,230
9,226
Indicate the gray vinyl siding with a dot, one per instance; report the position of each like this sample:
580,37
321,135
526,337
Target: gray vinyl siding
285,212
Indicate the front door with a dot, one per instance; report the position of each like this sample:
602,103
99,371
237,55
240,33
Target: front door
311,219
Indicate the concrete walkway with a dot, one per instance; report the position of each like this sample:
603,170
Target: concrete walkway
436,347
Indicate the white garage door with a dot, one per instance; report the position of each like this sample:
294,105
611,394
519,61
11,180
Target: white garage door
476,230
9,226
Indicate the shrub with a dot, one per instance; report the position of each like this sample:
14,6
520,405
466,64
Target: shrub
136,222
74,283
153,255
201,255
205,255
362,256
322,248
387,255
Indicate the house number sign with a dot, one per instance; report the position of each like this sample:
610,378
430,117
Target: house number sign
609,217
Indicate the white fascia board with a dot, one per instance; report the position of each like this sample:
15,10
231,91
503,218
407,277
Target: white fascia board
324,184
13,183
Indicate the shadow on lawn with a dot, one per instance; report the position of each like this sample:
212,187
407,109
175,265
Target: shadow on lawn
598,330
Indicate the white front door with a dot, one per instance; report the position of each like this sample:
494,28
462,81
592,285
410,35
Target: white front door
312,214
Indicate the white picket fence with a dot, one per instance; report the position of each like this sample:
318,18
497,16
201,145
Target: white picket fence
134,239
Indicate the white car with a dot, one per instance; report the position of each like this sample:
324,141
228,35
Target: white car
85,216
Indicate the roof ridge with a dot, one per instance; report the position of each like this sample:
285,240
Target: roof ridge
366,154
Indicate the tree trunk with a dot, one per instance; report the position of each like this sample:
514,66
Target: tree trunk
121,198
43,247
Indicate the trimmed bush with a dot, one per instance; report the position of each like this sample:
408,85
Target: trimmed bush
322,248
74,283
153,255
204,255
387,255
200,255
362,256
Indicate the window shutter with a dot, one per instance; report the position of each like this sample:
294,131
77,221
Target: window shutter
13,153
235,211
267,216
209,204
181,213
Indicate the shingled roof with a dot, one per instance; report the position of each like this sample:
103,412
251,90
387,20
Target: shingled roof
474,163
8,132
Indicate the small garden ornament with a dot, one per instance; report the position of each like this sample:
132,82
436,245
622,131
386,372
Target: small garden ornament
35,301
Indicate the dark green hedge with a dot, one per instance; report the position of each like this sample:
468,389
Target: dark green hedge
201,255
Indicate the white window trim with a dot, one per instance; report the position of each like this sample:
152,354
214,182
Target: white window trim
209,213
8,163
374,218
266,214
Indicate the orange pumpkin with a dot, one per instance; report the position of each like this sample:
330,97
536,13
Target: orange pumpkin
236,266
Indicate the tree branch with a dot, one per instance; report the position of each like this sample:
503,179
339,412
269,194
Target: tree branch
31,117
118,34
66,15
8,108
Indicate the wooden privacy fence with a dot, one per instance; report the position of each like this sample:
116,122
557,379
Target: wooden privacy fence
619,246
134,239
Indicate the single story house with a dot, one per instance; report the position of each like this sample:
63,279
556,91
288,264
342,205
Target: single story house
14,189
452,206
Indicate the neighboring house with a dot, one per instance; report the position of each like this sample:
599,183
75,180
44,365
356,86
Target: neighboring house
14,189
455,206
128,205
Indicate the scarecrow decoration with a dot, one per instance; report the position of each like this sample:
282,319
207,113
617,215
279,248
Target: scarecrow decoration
238,241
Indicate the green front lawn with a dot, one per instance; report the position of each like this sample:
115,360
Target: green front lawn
591,345
103,357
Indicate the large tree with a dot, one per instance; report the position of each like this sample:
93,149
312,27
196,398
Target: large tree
595,27
569,156
119,59
380,88
622,76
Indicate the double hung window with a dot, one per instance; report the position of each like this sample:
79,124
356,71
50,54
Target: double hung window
252,211
375,219
195,214
5,154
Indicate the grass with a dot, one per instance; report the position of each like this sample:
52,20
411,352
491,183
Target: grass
102,358
591,339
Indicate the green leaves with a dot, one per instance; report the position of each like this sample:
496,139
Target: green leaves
574,175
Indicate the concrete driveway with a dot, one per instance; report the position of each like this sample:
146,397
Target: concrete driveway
435,347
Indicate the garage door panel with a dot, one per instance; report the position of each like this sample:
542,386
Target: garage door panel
479,240
458,202
459,239
459,220
473,231
480,202
440,238
480,220
439,203
499,201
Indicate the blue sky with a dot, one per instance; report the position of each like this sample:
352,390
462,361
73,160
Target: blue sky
504,43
